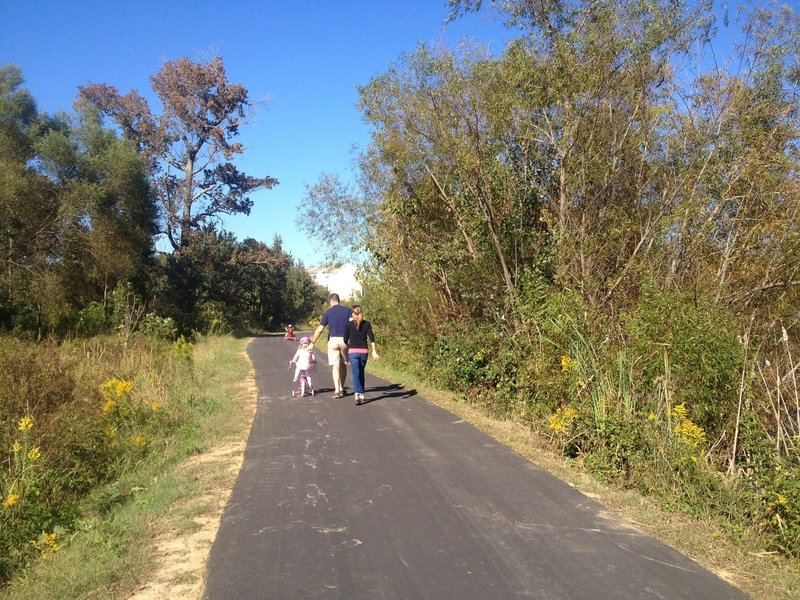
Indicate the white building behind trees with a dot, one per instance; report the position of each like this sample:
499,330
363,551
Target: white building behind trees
340,280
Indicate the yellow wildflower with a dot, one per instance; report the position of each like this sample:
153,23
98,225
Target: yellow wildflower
107,388
567,364
10,500
687,430
116,388
691,433
16,447
123,388
155,405
139,440
651,416
556,424
782,499
51,539
563,417
25,424
34,454
111,432
679,411
109,406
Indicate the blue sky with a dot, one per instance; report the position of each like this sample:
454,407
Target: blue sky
306,58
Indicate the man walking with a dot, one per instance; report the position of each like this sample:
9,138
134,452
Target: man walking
335,319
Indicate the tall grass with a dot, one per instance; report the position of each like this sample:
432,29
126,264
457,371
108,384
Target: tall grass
124,414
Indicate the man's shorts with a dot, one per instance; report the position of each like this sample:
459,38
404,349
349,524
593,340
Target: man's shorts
337,351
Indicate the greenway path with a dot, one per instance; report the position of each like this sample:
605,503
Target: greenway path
399,499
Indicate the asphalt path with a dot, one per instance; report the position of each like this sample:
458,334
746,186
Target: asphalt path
399,499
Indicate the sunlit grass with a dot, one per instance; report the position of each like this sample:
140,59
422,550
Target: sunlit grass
110,552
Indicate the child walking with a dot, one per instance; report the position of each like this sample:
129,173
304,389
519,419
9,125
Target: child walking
304,363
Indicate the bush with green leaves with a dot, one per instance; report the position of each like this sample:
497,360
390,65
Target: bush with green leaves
690,346
92,320
155,326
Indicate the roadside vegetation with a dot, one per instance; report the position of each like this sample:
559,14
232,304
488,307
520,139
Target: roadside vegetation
93,449
106,374
595,234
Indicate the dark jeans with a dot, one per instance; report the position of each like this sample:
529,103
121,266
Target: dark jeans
358,364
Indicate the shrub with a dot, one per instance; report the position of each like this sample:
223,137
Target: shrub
92,320
158,327
460,358
704,356
70,420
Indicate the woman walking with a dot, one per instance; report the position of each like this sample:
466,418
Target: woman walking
358,333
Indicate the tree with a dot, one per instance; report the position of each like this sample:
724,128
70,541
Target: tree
77,213
189,144
107,215
28,206
331,208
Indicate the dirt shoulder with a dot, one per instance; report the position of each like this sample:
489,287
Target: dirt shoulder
182,541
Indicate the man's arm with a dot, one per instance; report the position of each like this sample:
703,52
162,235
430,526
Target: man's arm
317,333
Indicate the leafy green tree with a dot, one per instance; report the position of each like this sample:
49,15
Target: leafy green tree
107,213
78,216
28,206
221,284
189,144
334,210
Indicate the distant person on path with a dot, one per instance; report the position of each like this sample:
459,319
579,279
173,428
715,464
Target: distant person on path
356,336
335,319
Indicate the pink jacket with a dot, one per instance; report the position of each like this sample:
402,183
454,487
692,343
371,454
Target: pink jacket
304,359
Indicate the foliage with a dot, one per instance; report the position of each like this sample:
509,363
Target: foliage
699,345
329,205
77,215
155,326
189,144
582,234
74,417
221,285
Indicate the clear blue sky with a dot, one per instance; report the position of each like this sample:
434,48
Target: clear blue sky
306,57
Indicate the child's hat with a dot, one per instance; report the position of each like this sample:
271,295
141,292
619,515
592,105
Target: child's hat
305,340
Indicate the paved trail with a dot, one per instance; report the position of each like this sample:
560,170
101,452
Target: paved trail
399,499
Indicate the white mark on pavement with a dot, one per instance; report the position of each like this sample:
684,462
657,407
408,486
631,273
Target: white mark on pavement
533,526
350,544
661,562
330,529
314,493
363,504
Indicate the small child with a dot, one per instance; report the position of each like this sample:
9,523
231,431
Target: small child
304,362
289,337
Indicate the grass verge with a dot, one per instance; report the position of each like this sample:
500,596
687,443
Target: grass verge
122,545
762,575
